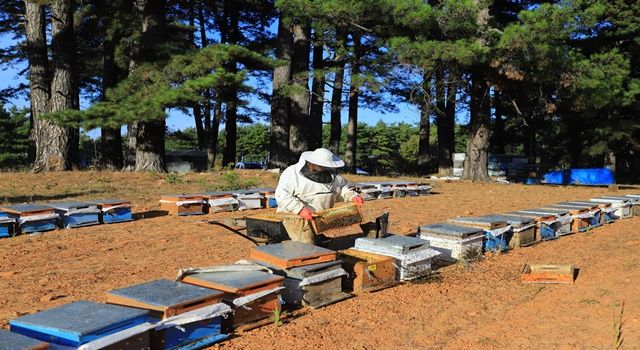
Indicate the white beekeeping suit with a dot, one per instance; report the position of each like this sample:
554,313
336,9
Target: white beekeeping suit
300,188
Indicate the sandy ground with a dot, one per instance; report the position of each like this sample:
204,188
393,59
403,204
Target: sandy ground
482,306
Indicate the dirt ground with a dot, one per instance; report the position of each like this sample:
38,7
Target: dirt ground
481,306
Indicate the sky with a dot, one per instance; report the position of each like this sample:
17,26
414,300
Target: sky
177,120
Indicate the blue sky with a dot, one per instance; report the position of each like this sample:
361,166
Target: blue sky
9,76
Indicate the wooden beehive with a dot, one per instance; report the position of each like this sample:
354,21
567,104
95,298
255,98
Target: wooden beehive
290,254
532,273
367,271
182,204
15,341
164,298
338,216
236,284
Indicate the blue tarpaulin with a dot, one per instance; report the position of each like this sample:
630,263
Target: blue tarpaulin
598,176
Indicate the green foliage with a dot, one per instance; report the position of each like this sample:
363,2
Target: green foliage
181,140
14,137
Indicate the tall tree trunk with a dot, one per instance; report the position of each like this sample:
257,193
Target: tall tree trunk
280,102
475,163
350,155
231,96
53,142
446,123
197,110
336,99
499,135
110,138
212,144
150,135
299,129
425,125
39,78
317,99
210,128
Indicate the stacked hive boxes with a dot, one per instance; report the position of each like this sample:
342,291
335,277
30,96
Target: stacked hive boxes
313,276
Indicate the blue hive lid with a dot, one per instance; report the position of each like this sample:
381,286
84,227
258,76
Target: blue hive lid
79,318
15,341
165,293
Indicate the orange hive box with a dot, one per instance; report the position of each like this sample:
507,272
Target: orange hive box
532,273
290,254
182,204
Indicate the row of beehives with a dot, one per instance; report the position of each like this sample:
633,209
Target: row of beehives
205,304
30,218
259,198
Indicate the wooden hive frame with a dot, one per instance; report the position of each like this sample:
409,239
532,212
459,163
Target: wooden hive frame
534,273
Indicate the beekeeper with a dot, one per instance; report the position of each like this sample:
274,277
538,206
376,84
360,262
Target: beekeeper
311,185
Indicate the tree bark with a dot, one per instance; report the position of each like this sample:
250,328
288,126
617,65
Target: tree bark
336,99
499,135
53,142
475,163
150,135
231,96
424,128
300,130
317,99
197,110
110,138
350,155
210,126
212,144
446,123
39,79
280,102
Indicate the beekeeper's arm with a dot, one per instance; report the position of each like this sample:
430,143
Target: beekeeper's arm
285,192
345,192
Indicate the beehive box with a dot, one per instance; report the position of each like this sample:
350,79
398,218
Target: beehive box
243,285
546,224
367,271
454,242
290,254
15,341
385,190
412,255
221,201
585,217
76,214
548,273
267,225
164,299
268,197
114,210
314,285
562,216
183,204
606,210
367,192
523,229
32,218
622,206
82,322
7,225
497,233
249,199
338,216
633,200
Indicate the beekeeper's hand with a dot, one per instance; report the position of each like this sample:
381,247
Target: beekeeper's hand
306,214
358,201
